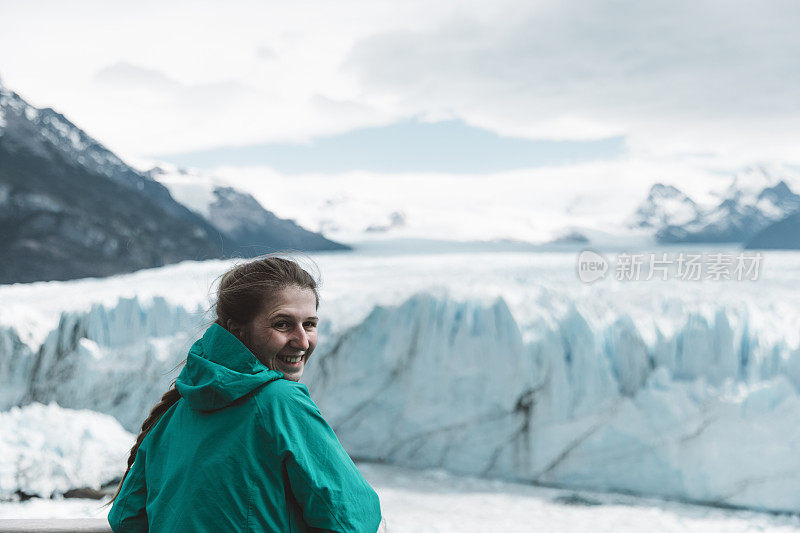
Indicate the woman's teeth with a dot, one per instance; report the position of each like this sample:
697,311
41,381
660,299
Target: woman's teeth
291,359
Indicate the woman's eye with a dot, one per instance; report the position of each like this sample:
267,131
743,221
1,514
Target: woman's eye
311,325
281,324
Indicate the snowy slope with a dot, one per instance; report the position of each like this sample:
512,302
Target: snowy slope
501,365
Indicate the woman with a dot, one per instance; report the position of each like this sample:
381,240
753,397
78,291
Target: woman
237,444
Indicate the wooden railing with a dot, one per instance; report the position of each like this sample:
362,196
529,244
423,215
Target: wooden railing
55,525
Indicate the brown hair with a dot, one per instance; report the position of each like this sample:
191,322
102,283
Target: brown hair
241,294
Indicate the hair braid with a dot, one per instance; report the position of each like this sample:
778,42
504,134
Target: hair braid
168,399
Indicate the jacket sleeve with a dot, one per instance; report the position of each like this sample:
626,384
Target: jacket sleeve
128,512
324,480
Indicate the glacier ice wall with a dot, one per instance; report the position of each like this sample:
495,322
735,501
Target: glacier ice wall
117,360
705,411
709,413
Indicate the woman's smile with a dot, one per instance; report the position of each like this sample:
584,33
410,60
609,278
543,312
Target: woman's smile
291,361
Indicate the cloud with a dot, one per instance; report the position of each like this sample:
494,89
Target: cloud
682,76
266,53
127,75
177,109
678,77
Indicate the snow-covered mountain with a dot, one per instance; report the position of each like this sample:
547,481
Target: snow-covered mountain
754,199
784,231
47,134
246,228
613,205
655,390
70,208
665,205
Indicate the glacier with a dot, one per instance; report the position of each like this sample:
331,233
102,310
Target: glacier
435,383
46,449
505,368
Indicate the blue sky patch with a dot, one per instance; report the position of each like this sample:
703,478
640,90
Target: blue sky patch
410,146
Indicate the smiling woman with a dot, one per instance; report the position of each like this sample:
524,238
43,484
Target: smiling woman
238,444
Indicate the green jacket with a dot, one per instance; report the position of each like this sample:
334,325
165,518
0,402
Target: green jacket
242,450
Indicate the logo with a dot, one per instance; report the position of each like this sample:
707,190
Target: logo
591,266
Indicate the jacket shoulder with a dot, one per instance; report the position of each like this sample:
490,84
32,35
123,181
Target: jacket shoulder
285,400
282,390
286,411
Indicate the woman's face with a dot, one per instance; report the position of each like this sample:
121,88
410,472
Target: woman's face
284,333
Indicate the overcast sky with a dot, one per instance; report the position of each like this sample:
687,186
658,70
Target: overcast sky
715,80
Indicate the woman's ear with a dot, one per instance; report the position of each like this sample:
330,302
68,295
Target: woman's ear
234,328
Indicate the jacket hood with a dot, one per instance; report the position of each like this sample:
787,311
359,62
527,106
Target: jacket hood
219,370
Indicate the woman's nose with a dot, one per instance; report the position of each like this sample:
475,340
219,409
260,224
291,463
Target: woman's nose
300,338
